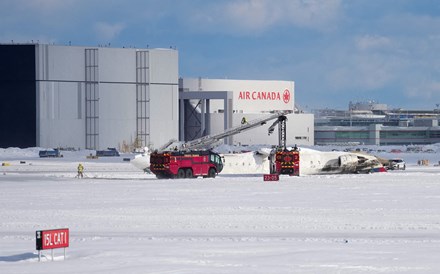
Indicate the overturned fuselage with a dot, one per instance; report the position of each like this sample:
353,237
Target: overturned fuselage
327,162
312,162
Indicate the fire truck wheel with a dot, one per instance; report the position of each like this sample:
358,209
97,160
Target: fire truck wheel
211,173
189,173
181,174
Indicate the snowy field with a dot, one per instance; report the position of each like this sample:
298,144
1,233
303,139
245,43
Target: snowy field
124,221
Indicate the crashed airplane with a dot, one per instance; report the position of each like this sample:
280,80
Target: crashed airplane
312,162
256,162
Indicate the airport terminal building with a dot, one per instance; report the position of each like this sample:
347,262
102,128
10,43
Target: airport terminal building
371,123
99,97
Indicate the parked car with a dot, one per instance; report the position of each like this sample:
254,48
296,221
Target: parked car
109,152
396,164
52,153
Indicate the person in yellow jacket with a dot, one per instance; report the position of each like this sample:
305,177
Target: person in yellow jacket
80,171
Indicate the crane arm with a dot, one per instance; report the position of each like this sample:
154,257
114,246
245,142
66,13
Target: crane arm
281,122
208,140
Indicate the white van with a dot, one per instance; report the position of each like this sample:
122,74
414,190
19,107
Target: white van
396,164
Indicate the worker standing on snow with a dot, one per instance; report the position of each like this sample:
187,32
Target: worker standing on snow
80,171
244,121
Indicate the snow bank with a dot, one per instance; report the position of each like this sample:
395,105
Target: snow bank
124,221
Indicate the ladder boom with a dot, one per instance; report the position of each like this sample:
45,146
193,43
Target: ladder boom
208,140
281,122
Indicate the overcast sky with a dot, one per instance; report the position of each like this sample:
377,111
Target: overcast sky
336,51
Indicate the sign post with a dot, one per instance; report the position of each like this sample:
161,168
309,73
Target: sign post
52,239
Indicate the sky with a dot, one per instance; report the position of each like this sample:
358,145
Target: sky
336,51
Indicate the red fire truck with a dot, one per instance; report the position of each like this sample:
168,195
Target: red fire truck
186,160
283,160
185,164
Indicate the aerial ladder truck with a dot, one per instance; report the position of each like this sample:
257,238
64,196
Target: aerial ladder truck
281,159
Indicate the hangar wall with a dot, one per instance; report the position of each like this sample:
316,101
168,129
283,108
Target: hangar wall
104,97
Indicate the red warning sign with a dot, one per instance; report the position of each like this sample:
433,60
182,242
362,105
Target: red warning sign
50,239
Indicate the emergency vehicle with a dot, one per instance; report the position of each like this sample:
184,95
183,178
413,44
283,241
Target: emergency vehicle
191,159
185,164
283,160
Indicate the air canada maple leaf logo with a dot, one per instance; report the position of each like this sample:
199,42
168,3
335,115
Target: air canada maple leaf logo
286,96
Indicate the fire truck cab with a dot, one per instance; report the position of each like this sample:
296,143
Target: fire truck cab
185,164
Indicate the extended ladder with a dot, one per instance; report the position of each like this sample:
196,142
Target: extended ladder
208,140
281,122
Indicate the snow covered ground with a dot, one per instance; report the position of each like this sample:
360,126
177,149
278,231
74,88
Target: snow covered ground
124,221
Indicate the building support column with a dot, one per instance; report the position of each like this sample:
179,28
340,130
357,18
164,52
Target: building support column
205,97
203,118
181,119
374,134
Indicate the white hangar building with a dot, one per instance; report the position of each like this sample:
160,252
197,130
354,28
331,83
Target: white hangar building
252,99
87,97
99,97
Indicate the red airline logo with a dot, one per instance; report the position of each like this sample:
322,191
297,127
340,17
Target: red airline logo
265,95
286,96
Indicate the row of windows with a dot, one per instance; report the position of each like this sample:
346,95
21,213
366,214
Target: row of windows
353,134
403,134
392,136
383,134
